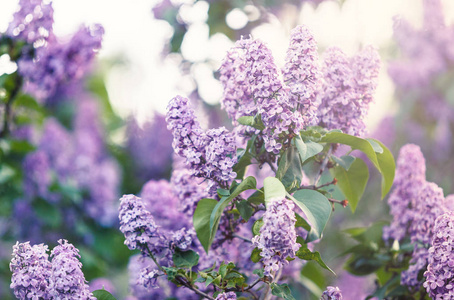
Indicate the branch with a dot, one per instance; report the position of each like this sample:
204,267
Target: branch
242,238
322,166
313,187
7,113
186,284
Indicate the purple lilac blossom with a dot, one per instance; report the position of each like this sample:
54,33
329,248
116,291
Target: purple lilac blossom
347,90
332,293
102,283
37,175
209,155
67,280
277,238
150,146
138,226
148,278
31,271
429,204
226,296
410,176
60,63
32,22
302,73
270,95
187,190
355,287
439,276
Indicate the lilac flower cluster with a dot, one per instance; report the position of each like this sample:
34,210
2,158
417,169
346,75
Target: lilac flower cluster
67,280
210,154
410,176
138,226
439,275
35,277
277,239
343,90
302,73
151,137
78,159
187,190
58,63
347,90
332,293
148,278
429,204
226,296
32,22
31,270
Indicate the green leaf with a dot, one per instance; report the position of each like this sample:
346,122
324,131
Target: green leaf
317,209
201,221
185,259
384,162
305,254
344,161
171,272
301,222
256,227
6,173
255,122
255,255
257,198
259,273
353,182
307,149
47,212
290,171
243,162
248,183
282,291
387,167
103,295
245,209
273,188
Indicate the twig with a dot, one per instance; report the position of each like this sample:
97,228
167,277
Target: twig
273,168
344,203
154,259
313,187
186,284
322,166
242,238
7,113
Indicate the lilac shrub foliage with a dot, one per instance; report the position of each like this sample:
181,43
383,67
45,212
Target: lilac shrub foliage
35,277
164,222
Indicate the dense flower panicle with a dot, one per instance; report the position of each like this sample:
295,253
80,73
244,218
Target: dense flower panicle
32,22
429,204
347,89
37,175
226,296
302,73
277,238
137,224
209,155
439,275
31,271
332,293
220,157
433,15
237,100
410,177
187,190
67,280
60,63
150,138
270,95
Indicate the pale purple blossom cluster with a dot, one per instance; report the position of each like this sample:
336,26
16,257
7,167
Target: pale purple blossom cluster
150,137
347,89
439,275
32,22
31,270
187,190
138,226
57,63
226,296
410,176
67,280
336,96
332,293
35,277
277,238
302,73
429,204
211,154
